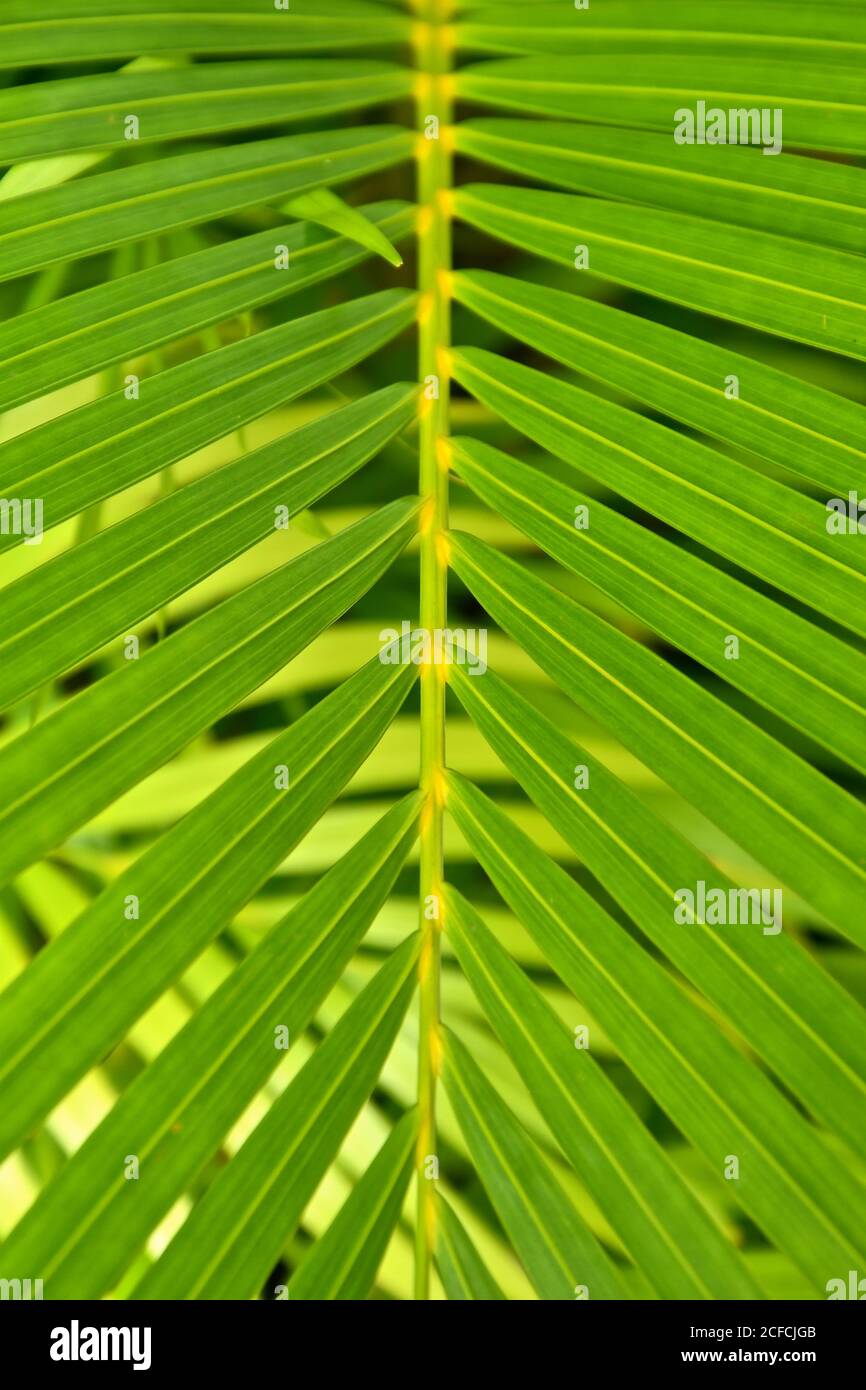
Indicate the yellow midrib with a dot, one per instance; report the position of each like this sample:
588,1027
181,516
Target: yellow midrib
432,44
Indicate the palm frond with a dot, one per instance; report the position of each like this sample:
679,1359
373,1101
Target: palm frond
431,549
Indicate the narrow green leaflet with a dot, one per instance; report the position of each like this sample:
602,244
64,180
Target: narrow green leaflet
813,200
84,333
323,206
813,433
60,773
823,105
343,1262
805,829
559,1254
811,1032
811,295
234,1235
689,602
463,1273
763,526
100,449
101,589
109,209
661,1224
831,31
187,887
91,30
83,1232
93,112
715,1096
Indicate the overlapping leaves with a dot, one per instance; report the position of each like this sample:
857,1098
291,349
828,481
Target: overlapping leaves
703,523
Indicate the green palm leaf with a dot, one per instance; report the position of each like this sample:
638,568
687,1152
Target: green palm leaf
185,537
771,529
190,872
91,30
176,1114
342,1264
696,743
641,90
462,1270
547,1232
836,31
432,562
683,1059
65,770
814,296
688,602
55,224
629,1177
826,205
811,432
92,453
227,1246
643,873
84,333
183,102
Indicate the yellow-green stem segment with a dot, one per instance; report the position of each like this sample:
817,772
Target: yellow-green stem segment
433,58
